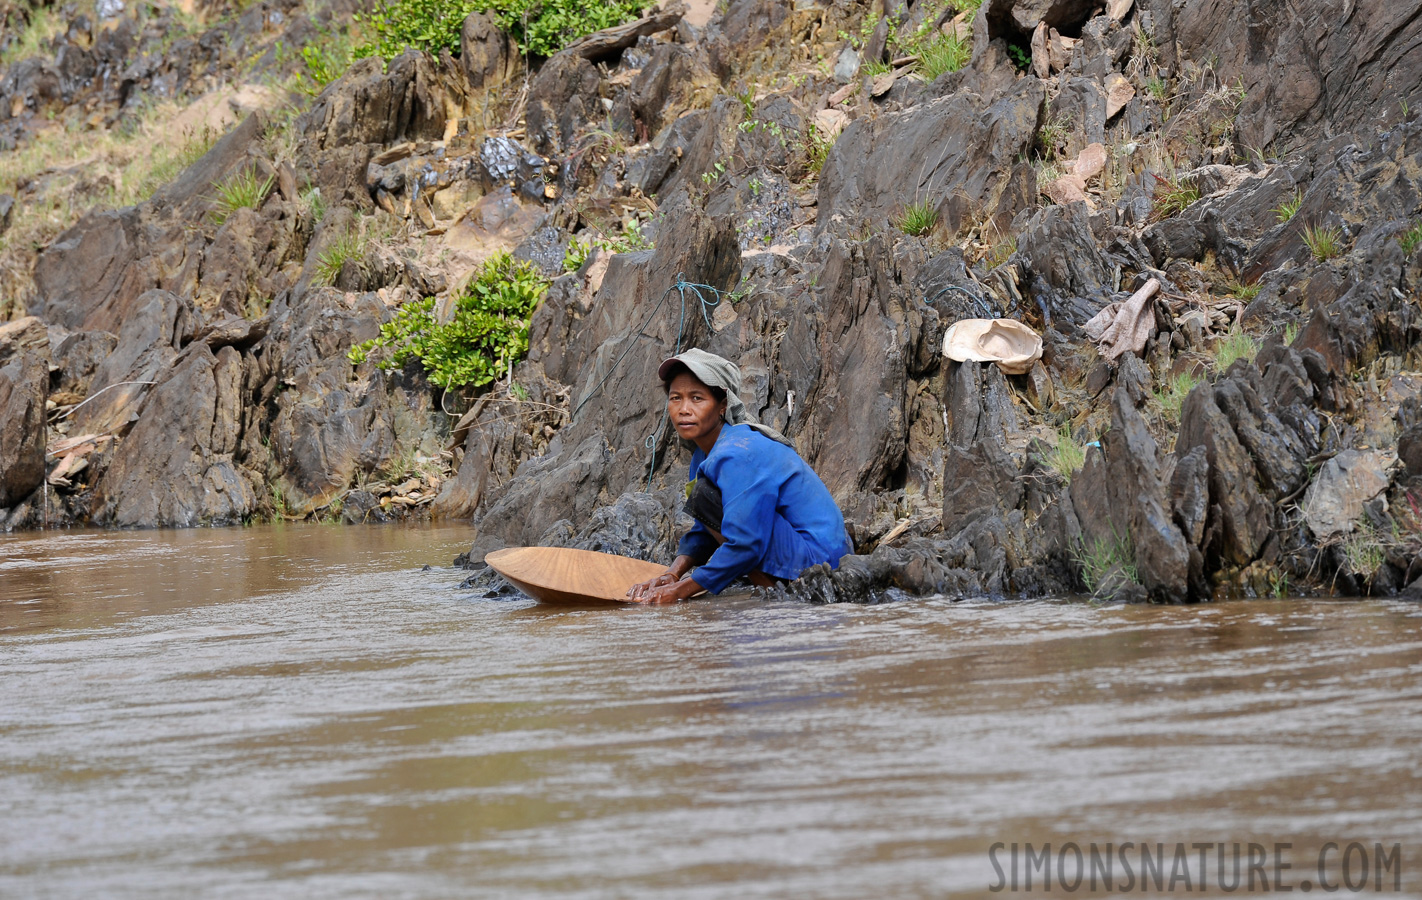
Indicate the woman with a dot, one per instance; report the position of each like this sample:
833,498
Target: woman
760,510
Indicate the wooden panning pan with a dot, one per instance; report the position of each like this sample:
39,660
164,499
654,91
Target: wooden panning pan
560,575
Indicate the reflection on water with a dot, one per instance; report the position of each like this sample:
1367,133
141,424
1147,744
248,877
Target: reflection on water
304,712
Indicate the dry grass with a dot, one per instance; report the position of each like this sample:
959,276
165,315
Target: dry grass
62,172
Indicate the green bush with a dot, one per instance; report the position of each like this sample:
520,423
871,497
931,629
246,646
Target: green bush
541,27
487,334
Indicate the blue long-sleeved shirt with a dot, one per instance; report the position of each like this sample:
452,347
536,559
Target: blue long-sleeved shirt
778,515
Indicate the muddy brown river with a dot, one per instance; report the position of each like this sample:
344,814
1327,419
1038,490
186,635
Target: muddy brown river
307,712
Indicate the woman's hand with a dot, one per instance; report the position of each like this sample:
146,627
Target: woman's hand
638,592
671,593
641,592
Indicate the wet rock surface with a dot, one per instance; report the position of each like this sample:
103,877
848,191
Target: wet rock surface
187,364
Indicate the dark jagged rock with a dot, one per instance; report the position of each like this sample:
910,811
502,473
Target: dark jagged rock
1057,243
677,78
488,56
561,99
957,147
24,388
177,466
1298,81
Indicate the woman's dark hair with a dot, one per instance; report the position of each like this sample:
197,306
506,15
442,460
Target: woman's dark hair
679,368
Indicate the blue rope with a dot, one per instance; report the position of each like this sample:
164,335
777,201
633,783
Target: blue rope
681,287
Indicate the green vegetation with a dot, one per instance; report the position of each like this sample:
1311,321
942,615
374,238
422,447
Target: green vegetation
1172,397
1323,243
486,336
1291,331
945,53
326,60
43,24
1234,346
1001,251
1066,456
580,247
1411,239
1285,211
541,27
1243,292
1363,553
917,218
1279,585
747,98
1173,197
241,190
1107,563
331,260
167,163
1052,135
816,146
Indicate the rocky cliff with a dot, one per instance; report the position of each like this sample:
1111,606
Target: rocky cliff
843,194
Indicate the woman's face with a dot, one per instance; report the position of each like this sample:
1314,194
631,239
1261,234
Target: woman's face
694,410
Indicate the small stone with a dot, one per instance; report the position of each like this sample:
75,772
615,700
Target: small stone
847,66
1090,162
1066,189
830,122
1041,56
1119,92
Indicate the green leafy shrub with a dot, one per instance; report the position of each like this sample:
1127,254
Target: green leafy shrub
325,61
487,334
541,27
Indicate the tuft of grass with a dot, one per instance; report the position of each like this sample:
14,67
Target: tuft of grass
1172,397
1234,346
1066,457
1173,197
1052,135
1363,553
44,24
1291,331
1279,585
816,147
1001,251
946,53
1285,211
333,258
1411,239
243,190
1323,243
1244,292
1107,564
917,218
